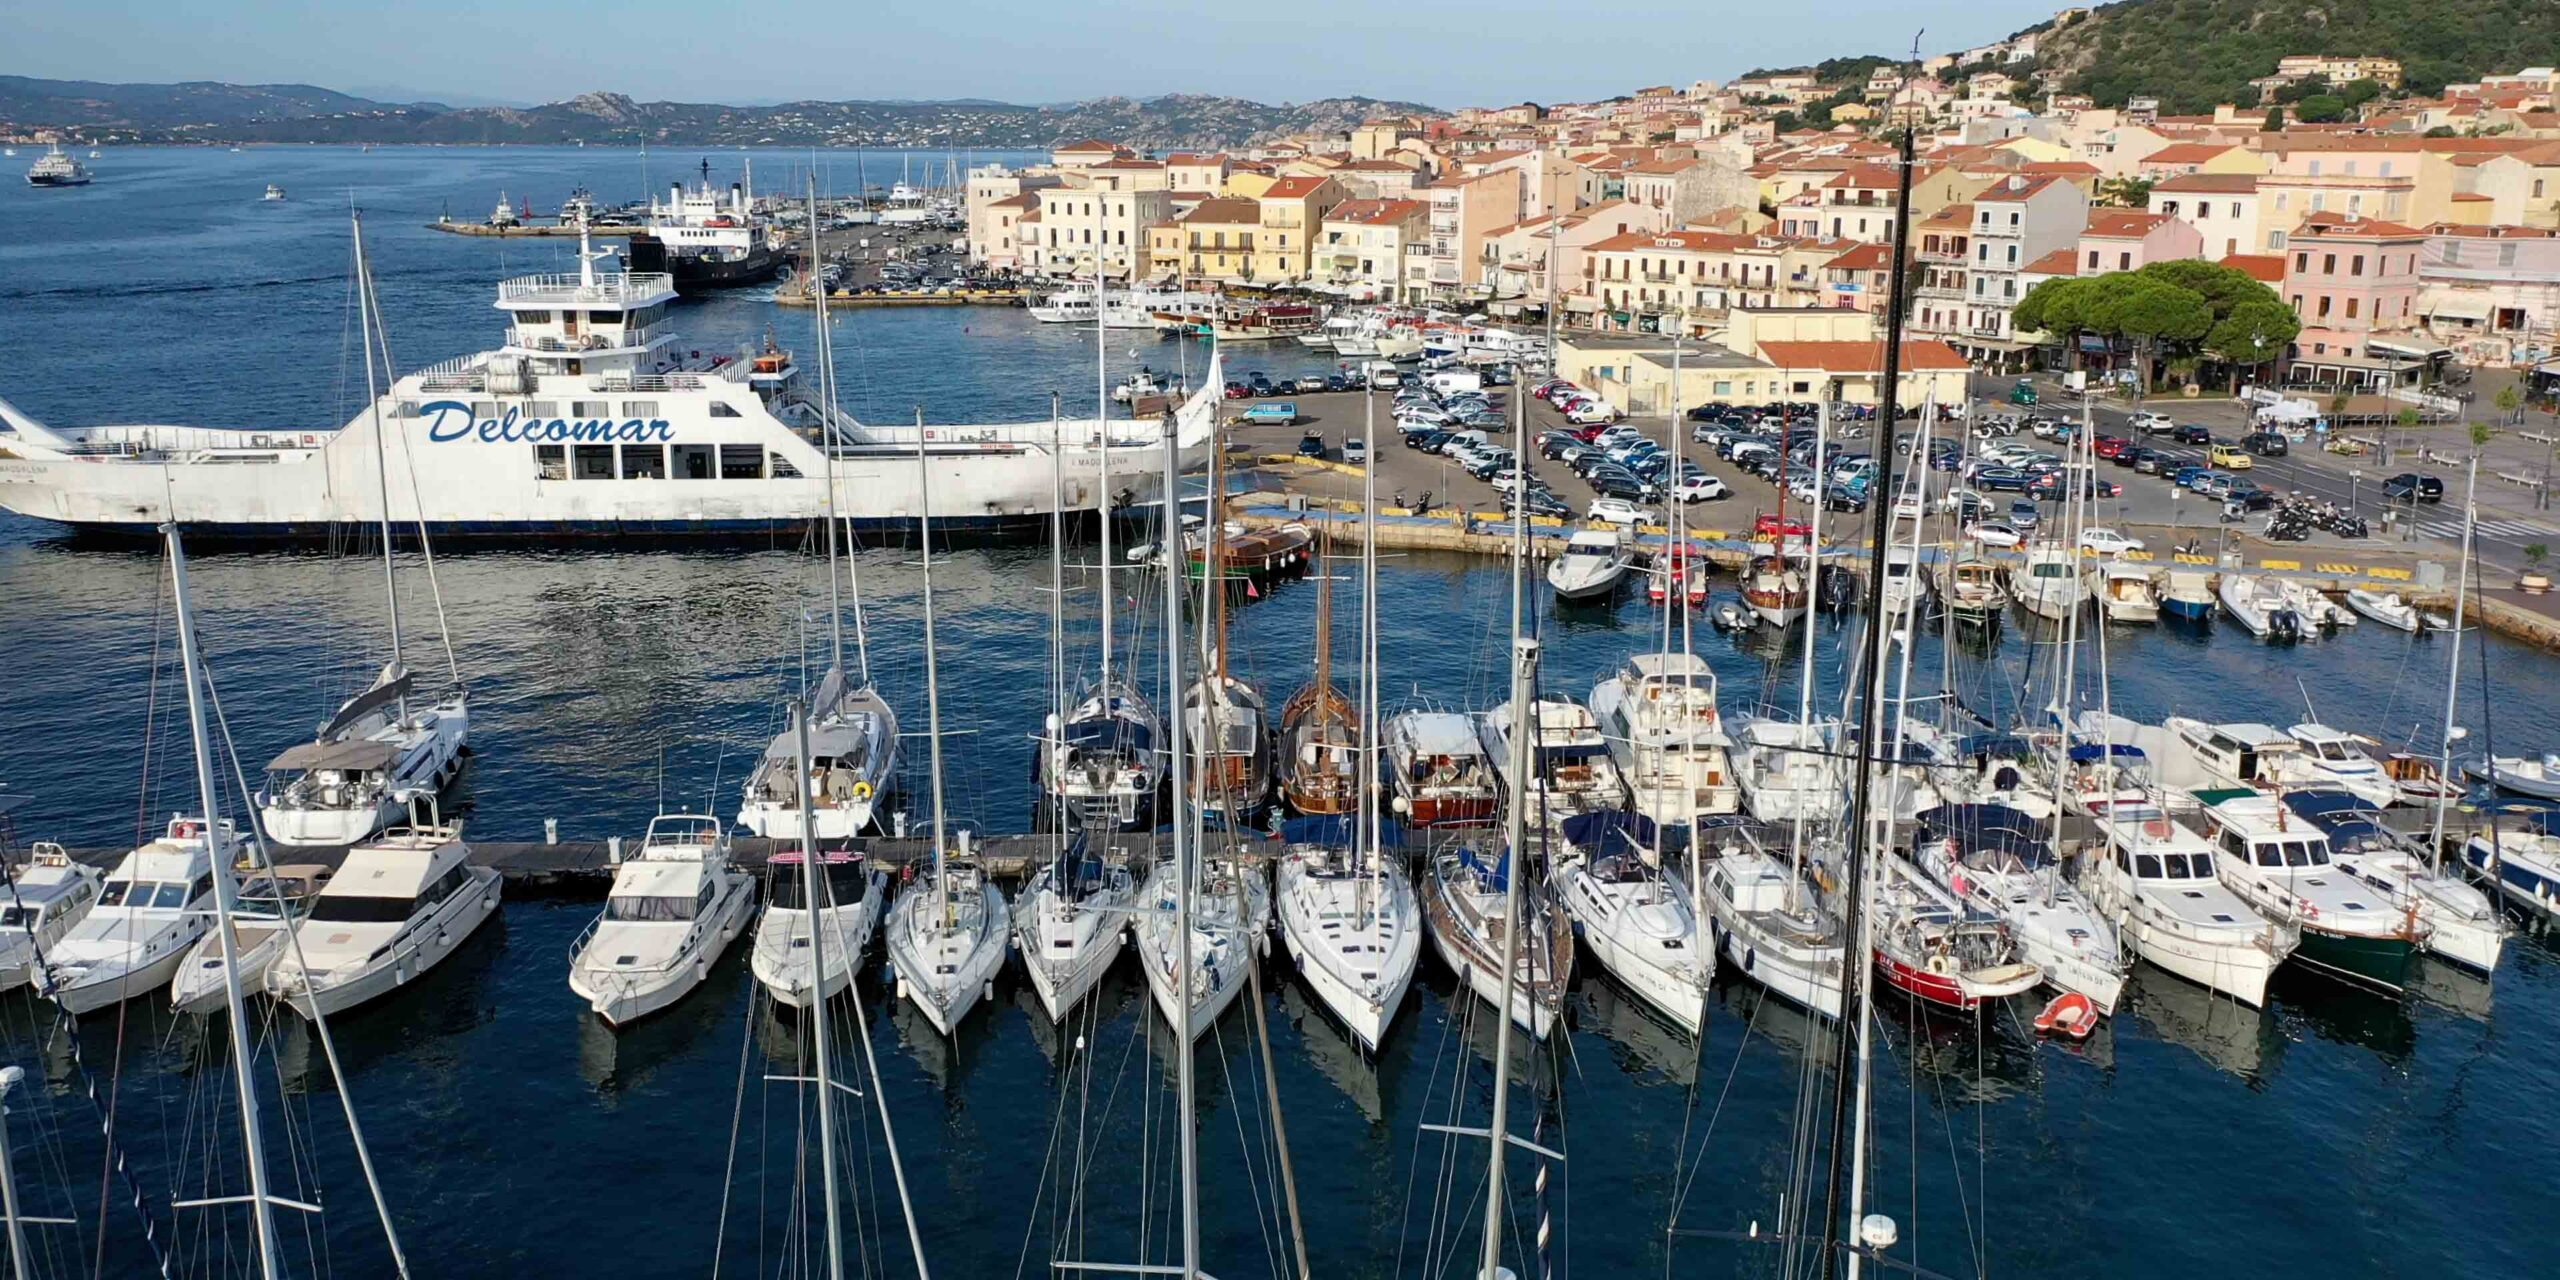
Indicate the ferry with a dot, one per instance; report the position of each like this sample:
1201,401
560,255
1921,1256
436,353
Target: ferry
592,418
708,238
56,168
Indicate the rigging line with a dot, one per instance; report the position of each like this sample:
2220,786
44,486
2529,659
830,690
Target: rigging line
737,1116
371,301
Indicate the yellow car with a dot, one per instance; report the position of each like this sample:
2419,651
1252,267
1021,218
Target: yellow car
2231,458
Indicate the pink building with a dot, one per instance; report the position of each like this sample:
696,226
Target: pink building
2130,239
2354,283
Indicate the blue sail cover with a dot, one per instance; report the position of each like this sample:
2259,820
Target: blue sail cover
1976,827
1338,830
2084,752
2004,745
1496,877
1594,831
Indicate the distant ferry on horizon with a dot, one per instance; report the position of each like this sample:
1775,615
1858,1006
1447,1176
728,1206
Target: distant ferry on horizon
57,168
593,418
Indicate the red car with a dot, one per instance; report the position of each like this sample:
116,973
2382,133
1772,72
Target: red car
2109,446
1238,391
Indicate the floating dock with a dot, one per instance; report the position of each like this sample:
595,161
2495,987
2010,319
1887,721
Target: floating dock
909,298
527,230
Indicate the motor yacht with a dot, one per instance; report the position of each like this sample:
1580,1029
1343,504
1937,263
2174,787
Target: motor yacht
47,895
156,901
1594,562
1437,771
674,907
2461,922
263,914
2124,592
2158,880
398,906
1790,769
852,892
1768,921
1658,712
2351,928
1571,770
2048,581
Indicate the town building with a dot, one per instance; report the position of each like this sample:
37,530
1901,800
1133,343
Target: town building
2354,283
2492,294
1374,250
2131,239
2223,208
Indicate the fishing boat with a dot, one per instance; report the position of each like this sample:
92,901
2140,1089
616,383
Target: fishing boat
2186,595
155,903
1438,772
1570,767
263,913
2387,608
1790,769
1774,588
2124,592
48,894
2262,606
274,193
848,905
1593,563
2158,881
674,907
1658,712
594,416
2518,852
2000,860
1768,922
1069,920
2350,928
1632,915
1230,924
1465,902
1938,948
399,905
2537,776
1969,587
1902,580
2458,921
2048,583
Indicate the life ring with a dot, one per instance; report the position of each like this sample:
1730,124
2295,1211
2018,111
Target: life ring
862,790
1938,964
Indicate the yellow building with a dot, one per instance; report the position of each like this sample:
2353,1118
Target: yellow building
1216,240
1291,213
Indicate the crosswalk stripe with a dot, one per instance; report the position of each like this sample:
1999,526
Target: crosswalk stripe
2452,529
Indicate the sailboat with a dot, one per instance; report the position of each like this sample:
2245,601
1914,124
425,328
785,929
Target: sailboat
1635,917
1320,736
947,930
853,733
1224,715
1072,914
1347,911
383,748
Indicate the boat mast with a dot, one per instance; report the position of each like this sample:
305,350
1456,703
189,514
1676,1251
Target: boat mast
1185,1088
1812,614
2453,661
1057,634
381,455
1524,682
1854,1012
1102,428
932,677
1370,797
245,1082
815,266
813,887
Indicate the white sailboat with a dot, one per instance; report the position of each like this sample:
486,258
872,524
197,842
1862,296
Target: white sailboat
1635,917
673,908
947,929
381,750
1999,860
1767,922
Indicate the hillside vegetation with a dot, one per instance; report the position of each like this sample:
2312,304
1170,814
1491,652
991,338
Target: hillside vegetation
2196,53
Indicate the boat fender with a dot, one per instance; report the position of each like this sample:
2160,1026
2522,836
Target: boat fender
1937,964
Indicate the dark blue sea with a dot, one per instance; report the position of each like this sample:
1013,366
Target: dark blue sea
2334,1134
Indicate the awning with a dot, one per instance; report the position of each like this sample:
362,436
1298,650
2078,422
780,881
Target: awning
2407,351
1581,303
2451,304
358,756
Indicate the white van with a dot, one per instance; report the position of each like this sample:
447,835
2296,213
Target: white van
1452,381
1383,375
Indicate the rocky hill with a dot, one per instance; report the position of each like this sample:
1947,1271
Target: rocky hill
2195,53
208,112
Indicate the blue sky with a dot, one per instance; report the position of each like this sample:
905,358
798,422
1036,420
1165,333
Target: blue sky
1444,52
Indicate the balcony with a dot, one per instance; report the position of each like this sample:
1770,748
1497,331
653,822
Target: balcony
1657,277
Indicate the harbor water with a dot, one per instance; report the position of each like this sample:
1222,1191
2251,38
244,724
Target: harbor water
2337,1133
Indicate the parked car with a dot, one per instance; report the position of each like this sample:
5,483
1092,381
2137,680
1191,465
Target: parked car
1620,511
1994,533
1700,487
1999,479
1622,484
1259,382
2147,461
2409,485
1336,382
2230,457
1355,449
1274,413
2187,473
1238,391
1310,445
2190,433
1590,411
1542,503
2023,515
2100,540
2108,446
1428,441
2153,424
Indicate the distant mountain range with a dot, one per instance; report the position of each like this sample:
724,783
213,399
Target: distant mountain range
205,111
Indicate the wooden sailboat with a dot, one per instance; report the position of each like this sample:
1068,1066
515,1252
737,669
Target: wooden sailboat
1319,728
1224,717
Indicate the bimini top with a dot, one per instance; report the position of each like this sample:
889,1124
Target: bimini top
359,755
1596,830
2084,752
1338,831
1995,827
1438,733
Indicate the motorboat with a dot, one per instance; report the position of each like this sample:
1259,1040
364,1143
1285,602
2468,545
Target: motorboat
2518,851
2418,779
1466,902
398,906
156,901
1571,768
947,937
1230,929
1142,385
2124,592
852,892
2320,615
1633,916
1999,860
2536,776
1592,565
2158,882
1658,712
1941,949
1068,923
48,894
1902,585
2246,754
2351,928
1774,589
853,766
2387,608
2461,923
2048,581
2263,607
1437,771
2186,595
274,193
1969,586
1225,727
674,907
1349,919
1768,922
2000,769
384,748
1790,769
1681,579
2351,762
263,913
1104,766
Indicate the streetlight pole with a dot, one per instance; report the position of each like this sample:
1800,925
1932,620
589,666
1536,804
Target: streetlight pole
2355,485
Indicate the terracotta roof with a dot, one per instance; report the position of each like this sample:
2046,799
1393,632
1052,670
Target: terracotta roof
1089,144
1859,357
1294,188
1196,157
2210,183
1377,166
1958,215
2061,168
2338,225
1227,210
1866,257
2266,268
1027,200
2123,224
1865,176
2060,262
2187,153
2017,186
1125,163
1376,212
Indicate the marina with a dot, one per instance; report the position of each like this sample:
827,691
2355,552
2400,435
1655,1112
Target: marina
611,686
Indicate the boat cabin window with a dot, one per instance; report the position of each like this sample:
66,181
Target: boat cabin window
19,917
455,877
644,462
692,461
723,409
2330,750
590,408
551,461
2147,866
782,468
594,461
639,408
741,462
174,894
604,317
118,890
2174,865
661,908
361,909
847,882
